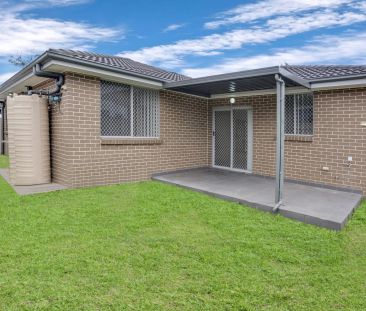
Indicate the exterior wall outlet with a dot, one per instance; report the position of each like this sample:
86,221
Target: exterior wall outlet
349,159
325,168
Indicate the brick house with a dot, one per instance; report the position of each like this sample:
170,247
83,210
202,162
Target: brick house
120,121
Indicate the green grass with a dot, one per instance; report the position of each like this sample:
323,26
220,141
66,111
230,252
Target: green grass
151,246
4,162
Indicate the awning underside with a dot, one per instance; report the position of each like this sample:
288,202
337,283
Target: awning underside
207,89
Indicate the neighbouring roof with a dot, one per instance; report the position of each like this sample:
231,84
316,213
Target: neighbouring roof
123,63
317,72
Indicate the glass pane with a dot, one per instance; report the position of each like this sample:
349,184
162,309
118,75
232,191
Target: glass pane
115,109
222,138
305,113
240,139
145,112
289,115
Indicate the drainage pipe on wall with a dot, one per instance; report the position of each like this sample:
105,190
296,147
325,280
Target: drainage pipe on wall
60,80
2,138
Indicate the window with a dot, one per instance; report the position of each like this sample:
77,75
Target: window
299,114
129,111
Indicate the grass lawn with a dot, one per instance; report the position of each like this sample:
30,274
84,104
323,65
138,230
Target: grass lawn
151,246
4,162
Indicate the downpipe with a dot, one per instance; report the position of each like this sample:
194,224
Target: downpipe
277,207
2,127
60,80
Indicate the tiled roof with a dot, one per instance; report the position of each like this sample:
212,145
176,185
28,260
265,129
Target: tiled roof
311,72
122,63
316,72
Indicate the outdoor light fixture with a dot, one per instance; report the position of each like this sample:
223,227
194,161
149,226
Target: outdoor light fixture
232,100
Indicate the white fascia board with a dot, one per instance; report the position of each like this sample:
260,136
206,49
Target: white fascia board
318,86
61,66
289,90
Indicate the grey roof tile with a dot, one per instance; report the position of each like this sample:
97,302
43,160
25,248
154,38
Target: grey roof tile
307,72
122,63
315,72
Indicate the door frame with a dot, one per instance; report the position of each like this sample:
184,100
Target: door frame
249,138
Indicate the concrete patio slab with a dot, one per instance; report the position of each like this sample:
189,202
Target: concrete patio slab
34,189
329,208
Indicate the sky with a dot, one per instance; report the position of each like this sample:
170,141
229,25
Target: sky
192,37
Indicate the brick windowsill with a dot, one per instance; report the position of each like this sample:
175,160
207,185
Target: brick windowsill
130,141
300,138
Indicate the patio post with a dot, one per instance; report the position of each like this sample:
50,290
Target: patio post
280,141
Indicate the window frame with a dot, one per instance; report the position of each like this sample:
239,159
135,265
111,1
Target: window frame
296,108
131,116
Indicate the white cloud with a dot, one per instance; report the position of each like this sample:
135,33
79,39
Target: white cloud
267,8
24,35
360,5
271,30
6,76
16,7
28,36
173,27
66,2
324,50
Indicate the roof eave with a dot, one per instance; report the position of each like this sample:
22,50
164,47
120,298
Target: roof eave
334,79
224,77
240,75
79,61
26,71
293,77
103,74
51,55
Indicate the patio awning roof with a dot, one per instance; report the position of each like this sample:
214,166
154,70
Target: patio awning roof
242,81
270,78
